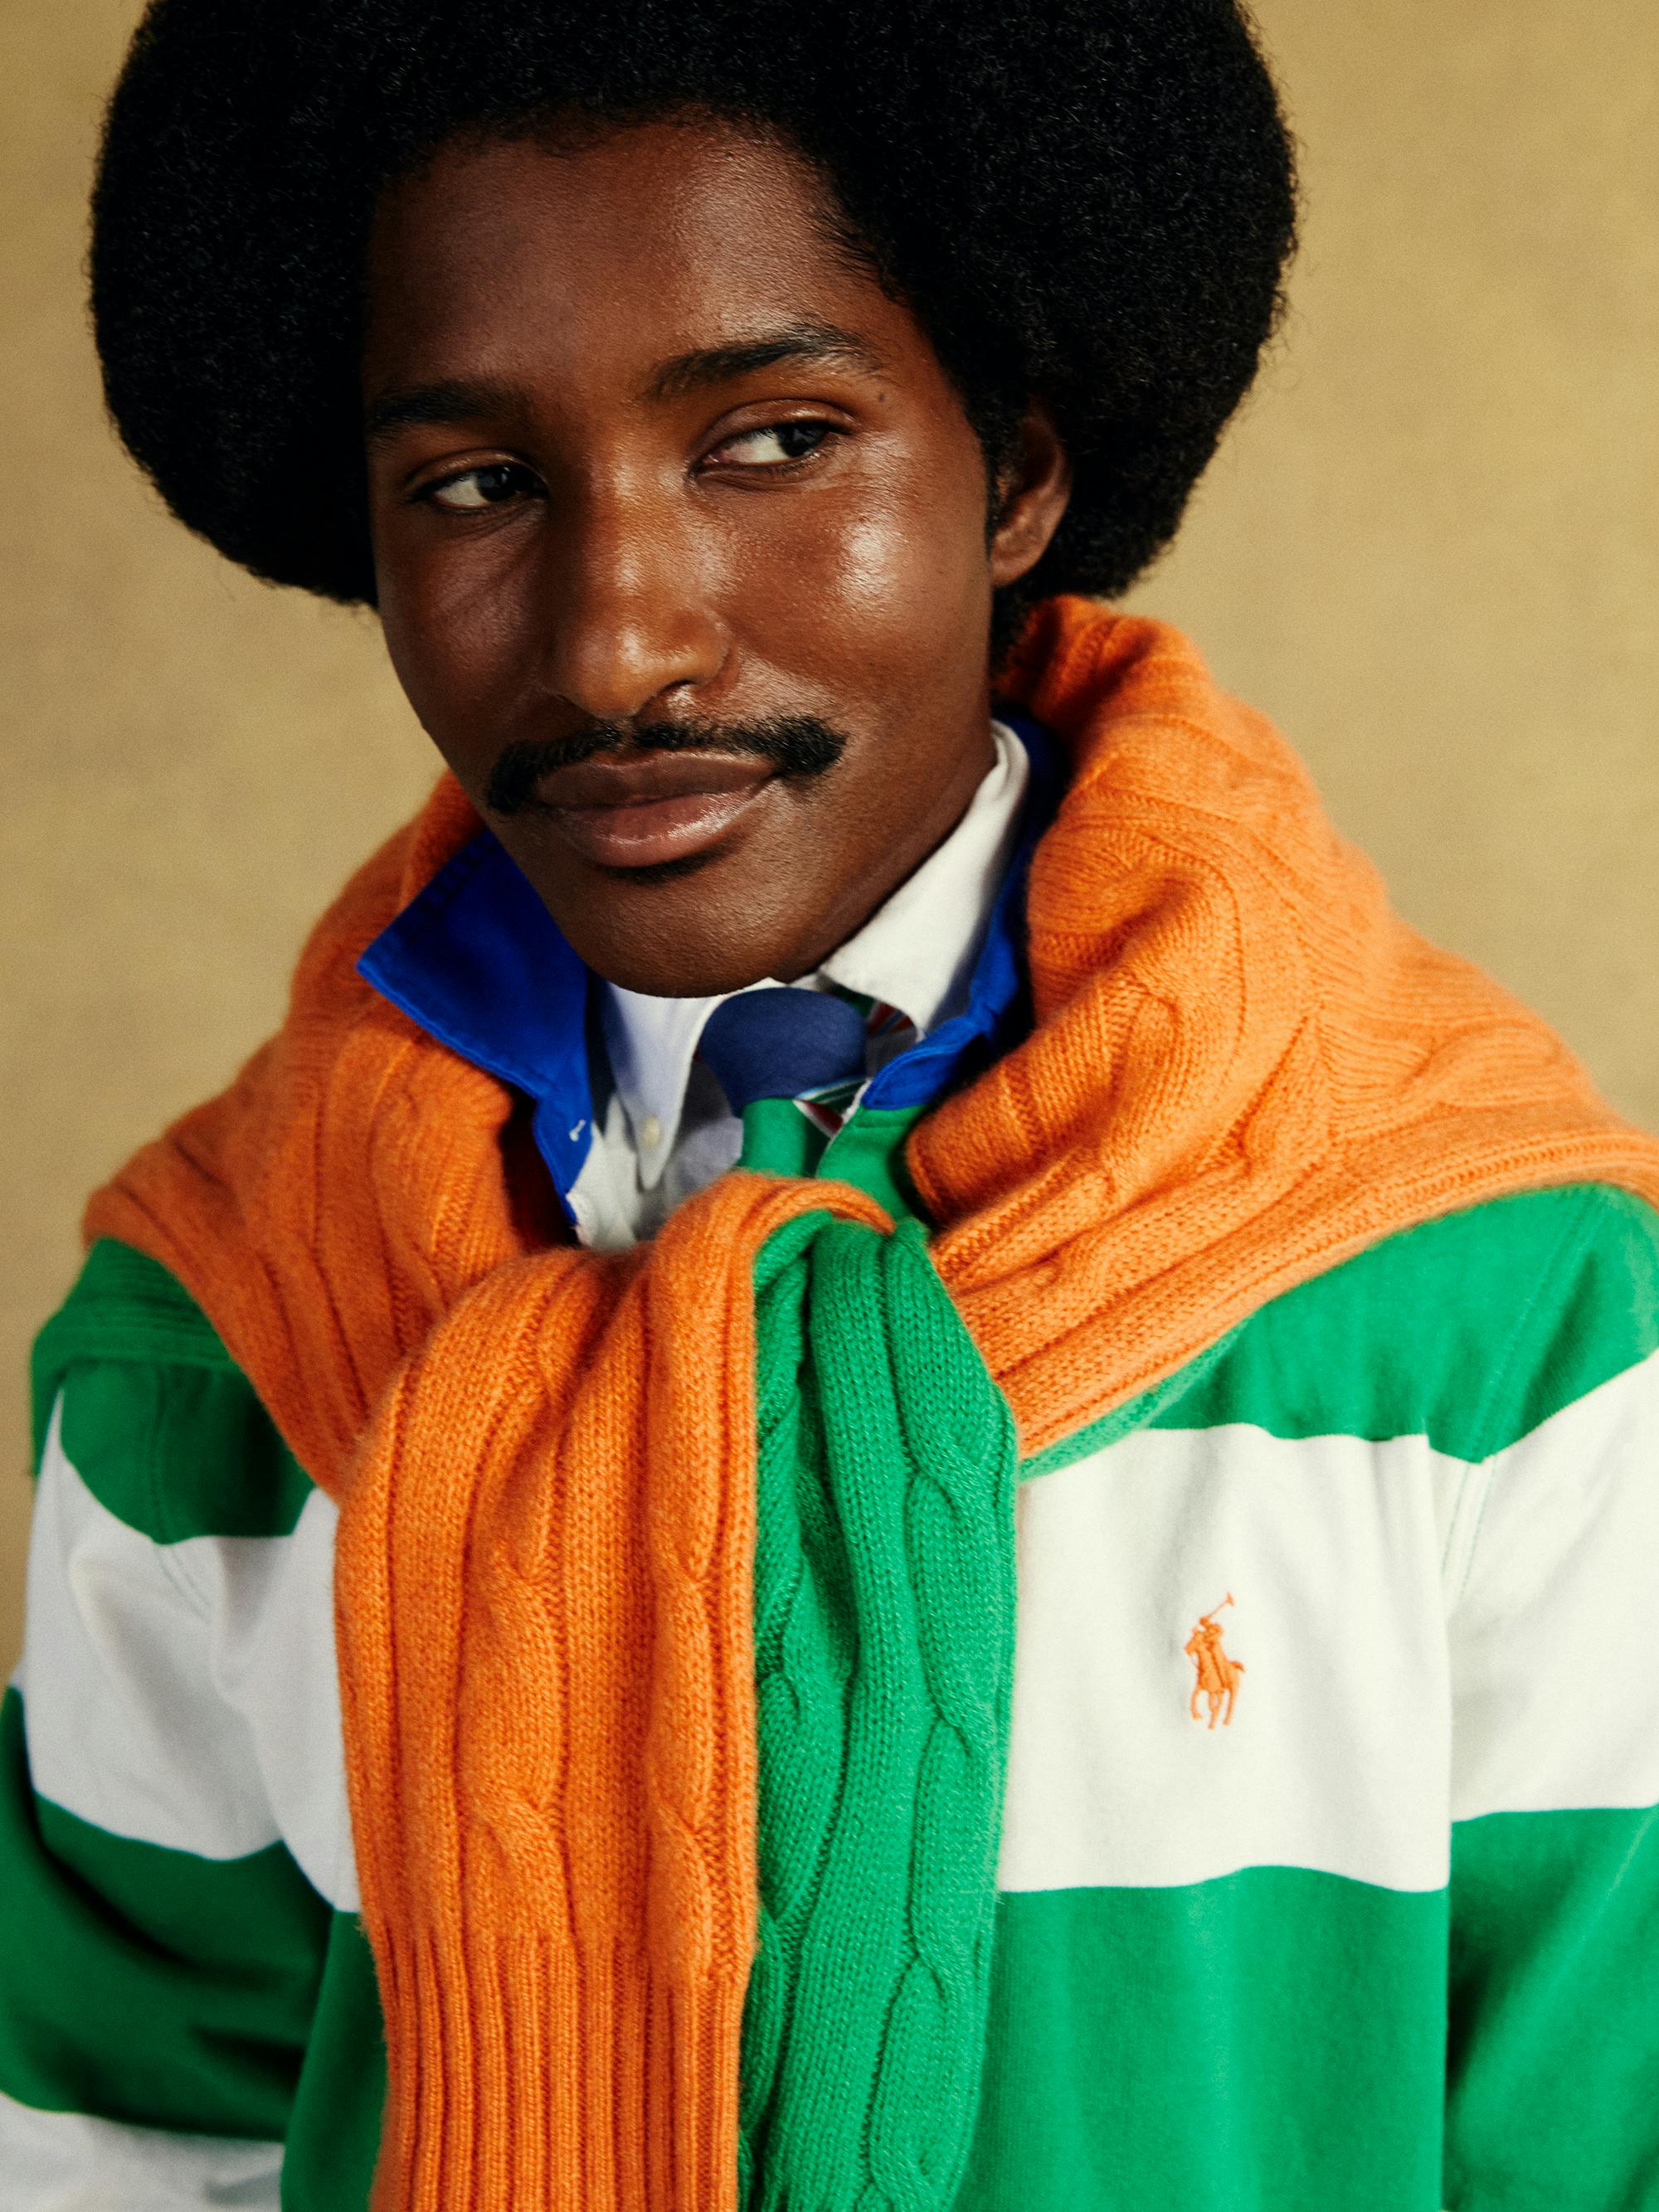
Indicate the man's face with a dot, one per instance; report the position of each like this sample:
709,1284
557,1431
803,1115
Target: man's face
680,533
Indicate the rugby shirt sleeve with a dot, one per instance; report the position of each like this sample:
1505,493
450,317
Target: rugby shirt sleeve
160,1948
1553,1572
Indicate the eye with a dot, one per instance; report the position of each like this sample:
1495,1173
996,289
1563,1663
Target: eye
474,490
776,445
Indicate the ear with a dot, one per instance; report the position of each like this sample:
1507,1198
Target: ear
1033,491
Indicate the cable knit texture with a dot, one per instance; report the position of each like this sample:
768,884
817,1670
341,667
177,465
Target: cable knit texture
1245,1066
552,1595
884,1645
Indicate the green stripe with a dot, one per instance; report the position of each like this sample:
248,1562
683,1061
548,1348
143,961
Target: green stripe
1470,1330
123,1306
335,2135
164,1430
1273,2041
1555,2010
146,1985
180,1452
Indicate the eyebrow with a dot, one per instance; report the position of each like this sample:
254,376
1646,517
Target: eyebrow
816,344
464,400
456,399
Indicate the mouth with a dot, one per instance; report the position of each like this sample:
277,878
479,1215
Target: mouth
652,813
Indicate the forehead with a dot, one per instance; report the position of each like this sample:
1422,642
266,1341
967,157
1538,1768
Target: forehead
593,260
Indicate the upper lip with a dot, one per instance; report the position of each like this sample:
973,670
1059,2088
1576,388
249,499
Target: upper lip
600,782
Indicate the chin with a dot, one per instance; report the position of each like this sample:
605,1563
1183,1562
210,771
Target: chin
684,963
682,979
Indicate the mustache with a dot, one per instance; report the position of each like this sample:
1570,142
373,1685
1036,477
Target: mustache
797,745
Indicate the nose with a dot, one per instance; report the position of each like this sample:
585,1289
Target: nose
626,606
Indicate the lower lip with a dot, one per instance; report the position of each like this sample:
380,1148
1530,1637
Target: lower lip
652,831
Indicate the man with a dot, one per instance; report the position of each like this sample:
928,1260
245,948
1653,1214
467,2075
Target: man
1076,1635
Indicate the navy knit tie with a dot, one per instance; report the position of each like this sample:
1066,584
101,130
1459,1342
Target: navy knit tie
780,1043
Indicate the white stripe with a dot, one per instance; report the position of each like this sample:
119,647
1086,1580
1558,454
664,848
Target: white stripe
186,1694
1555,1636
1337,1756
69,2162
1365,1721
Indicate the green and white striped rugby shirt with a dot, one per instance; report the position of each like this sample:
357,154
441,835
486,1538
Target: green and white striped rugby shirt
1329,1877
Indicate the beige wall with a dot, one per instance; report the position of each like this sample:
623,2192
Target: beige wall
1431,550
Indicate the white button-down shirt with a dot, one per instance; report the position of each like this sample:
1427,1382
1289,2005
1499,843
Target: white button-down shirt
665,1130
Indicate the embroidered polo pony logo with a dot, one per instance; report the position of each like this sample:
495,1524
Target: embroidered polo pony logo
1218,1674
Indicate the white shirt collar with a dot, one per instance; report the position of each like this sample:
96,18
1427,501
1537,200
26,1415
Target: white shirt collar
917,952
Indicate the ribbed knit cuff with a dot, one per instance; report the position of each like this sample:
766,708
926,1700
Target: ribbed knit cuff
511,2046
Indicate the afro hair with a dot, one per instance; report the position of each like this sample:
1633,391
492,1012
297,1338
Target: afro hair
1090,201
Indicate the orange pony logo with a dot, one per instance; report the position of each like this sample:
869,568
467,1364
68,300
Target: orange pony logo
1218,1674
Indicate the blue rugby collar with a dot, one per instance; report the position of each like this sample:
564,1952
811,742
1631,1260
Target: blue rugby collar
479,962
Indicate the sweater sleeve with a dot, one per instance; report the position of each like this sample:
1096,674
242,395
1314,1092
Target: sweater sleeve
162,1949
1554,2084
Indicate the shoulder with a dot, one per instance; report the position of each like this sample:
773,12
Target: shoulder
140,1398
1471,1330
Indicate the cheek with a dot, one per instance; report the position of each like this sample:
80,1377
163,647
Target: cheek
452,636
892,587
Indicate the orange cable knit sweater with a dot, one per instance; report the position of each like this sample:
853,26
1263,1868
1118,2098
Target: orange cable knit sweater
1244,1069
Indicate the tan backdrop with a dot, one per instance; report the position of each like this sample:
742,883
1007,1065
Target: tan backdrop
1430,549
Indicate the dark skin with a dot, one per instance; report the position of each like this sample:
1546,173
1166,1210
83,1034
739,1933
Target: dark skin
648,450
